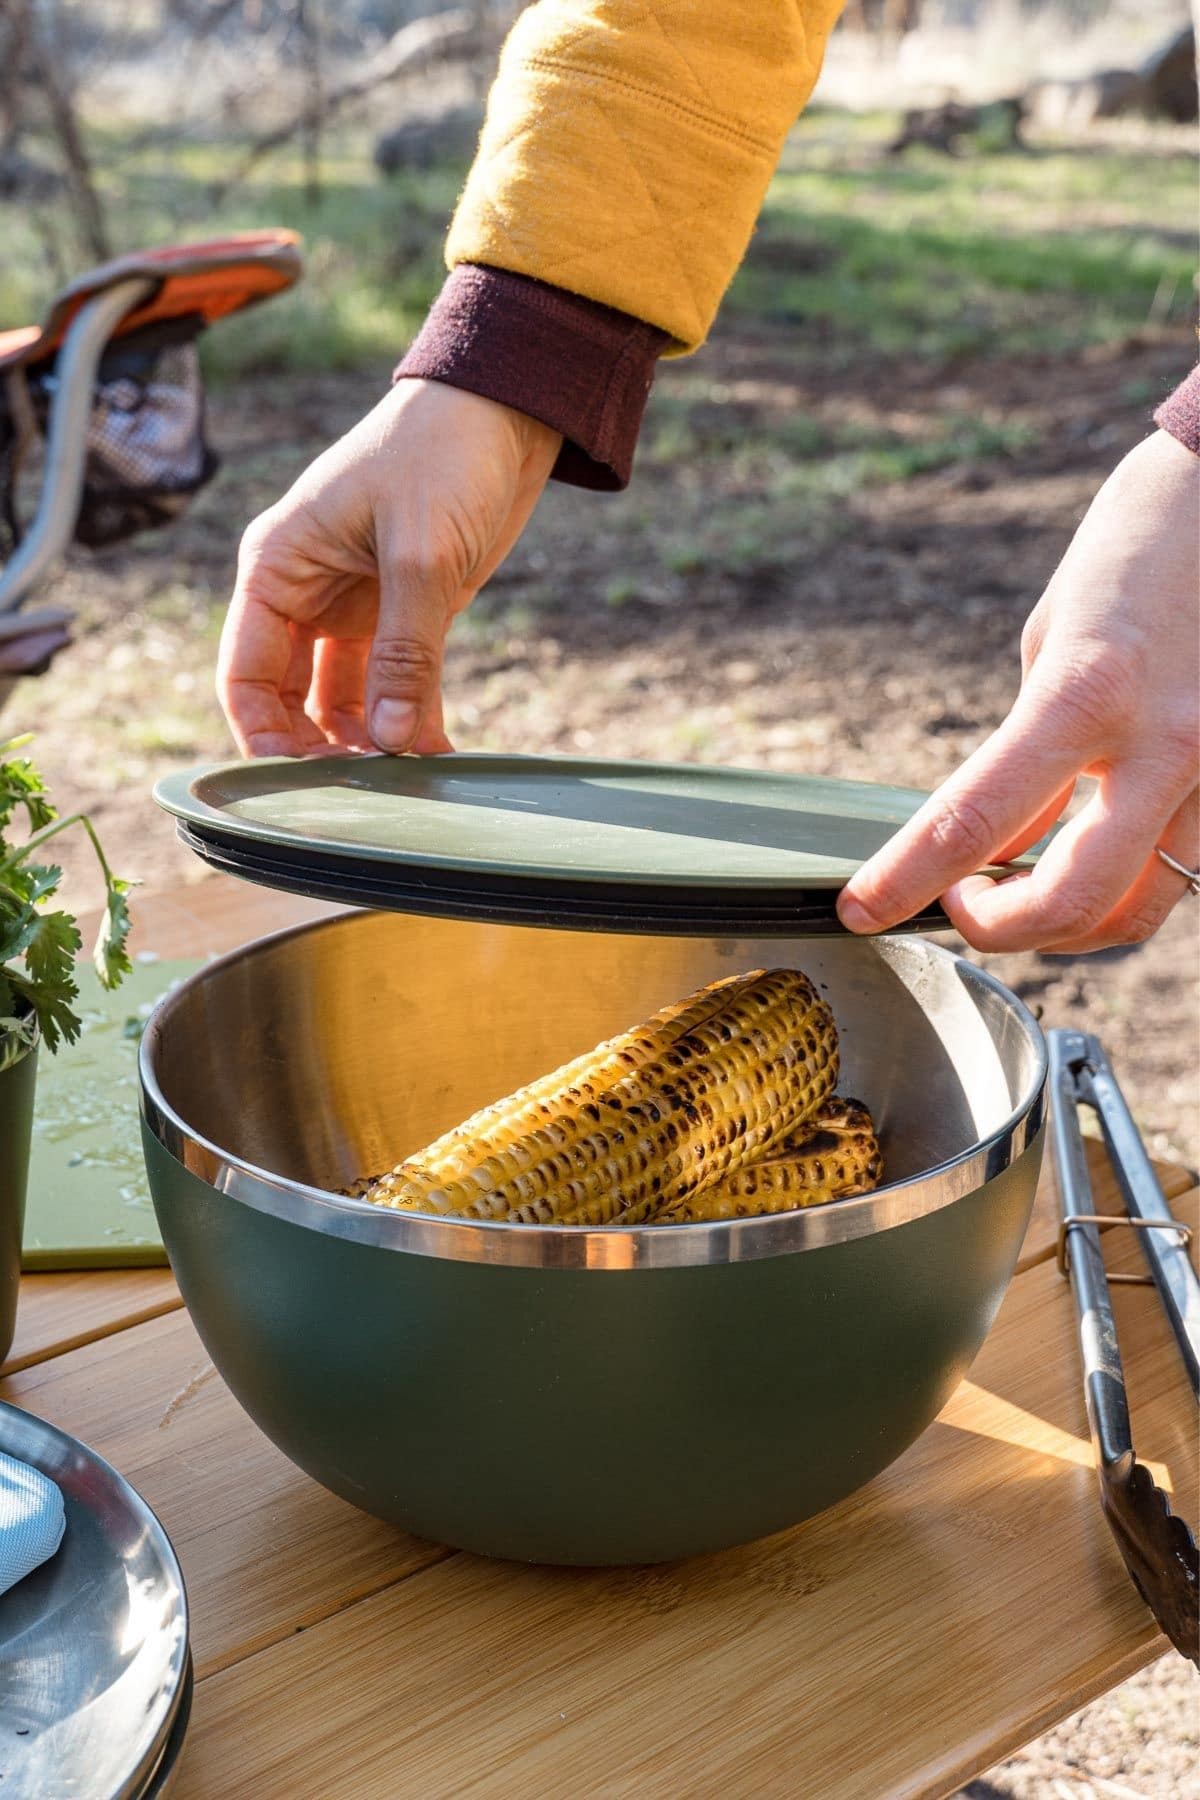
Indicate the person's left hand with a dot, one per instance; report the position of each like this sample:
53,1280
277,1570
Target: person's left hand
1110,689
347,587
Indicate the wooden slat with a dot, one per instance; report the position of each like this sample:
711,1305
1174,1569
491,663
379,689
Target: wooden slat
897,1645
62,1311
264,1550
1041,1239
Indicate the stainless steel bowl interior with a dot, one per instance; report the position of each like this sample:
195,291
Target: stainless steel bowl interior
289,1069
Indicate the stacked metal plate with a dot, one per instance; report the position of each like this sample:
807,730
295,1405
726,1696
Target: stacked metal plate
562,842
95,1661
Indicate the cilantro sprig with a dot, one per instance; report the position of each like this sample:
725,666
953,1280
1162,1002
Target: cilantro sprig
39,943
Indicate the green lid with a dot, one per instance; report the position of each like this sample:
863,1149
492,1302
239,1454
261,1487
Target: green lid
596,843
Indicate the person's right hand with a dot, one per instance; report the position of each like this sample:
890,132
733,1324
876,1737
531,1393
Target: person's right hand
1108,691
347,587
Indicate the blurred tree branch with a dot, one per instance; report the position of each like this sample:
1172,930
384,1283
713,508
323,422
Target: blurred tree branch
308,25
35,48
438,37
16,22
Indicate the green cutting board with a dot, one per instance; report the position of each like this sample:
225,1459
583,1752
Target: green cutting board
89,1203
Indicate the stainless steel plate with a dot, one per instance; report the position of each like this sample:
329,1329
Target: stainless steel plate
94,1644
162,1781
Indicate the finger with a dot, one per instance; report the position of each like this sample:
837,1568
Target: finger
336,697
252,666
405,664
295,687
421,588
1181,839
1146,906
1033,635
432,740
1007,785
1081,876
1036,828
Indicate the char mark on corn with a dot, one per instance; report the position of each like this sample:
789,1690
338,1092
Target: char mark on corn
663,1112
834,1156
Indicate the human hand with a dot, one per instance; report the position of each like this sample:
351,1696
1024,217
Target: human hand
347,587
1110,661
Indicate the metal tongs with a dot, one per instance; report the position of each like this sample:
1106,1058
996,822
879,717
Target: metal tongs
1155,1544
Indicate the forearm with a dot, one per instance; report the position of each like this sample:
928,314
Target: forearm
577,255
629,143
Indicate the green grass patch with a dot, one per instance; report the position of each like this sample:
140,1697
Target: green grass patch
925,255
939,256
373,248
765,490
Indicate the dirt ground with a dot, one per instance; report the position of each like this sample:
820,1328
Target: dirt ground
880,642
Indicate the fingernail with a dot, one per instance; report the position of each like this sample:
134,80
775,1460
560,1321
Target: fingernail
854,915
394,724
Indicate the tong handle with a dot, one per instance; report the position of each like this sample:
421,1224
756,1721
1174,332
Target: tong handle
1156,1546
1104,1378
1165,1250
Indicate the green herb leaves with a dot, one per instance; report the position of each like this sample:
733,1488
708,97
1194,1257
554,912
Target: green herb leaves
21,785
110,955
39,944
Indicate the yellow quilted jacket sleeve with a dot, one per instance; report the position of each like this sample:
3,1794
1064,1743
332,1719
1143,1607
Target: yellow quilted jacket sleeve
628,145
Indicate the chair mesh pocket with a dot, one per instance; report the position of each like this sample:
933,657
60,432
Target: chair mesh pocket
147,451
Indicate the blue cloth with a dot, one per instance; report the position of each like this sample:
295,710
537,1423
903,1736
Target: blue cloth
32,1521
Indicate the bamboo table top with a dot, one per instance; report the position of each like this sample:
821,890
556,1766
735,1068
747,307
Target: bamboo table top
897,1645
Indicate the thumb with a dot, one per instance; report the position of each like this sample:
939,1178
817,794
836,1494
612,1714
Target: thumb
404,669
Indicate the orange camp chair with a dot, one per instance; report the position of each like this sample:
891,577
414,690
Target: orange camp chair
111,383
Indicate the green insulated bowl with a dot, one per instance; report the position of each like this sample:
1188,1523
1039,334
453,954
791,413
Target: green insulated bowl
561,1394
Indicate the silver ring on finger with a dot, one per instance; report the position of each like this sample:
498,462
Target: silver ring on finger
1191,876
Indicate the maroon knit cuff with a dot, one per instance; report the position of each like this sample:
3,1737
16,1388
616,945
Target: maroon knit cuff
581,368
1179,413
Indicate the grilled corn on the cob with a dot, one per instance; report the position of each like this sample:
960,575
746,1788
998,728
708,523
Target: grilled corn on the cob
832,1157
651,1118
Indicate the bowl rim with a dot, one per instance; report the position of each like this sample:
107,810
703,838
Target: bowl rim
609,1247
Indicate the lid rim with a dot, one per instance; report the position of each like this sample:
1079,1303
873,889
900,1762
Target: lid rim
744,814
780,912
176,794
